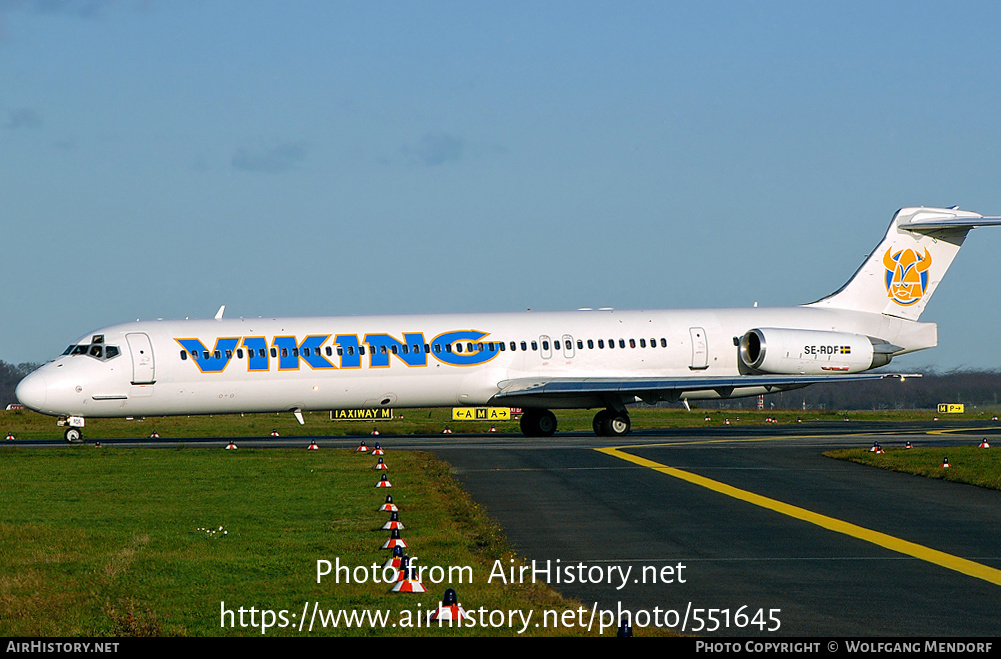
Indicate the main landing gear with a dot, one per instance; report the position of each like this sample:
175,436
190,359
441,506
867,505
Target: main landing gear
611,423
607,423
538,423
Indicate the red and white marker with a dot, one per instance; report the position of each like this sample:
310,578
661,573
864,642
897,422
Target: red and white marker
394,541
449,610
393,523
408,582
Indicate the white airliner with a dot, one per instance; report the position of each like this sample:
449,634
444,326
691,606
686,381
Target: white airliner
590,359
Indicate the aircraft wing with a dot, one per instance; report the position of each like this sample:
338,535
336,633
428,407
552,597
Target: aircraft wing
670,388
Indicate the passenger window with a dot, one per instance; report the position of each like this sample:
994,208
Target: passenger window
535,346
642,343
663,343
239,353
622,343
632,343
590,344
524,347
545,345
184,356
611,343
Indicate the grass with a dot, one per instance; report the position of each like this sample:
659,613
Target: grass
98,541
968,464
25,424
158,542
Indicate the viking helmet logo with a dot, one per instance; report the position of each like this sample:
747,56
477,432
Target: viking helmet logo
906,275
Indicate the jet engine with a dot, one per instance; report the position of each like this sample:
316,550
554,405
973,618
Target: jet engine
811,352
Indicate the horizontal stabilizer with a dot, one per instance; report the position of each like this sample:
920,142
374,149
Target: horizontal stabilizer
937,224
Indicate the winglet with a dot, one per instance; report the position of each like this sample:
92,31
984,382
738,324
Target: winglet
218,314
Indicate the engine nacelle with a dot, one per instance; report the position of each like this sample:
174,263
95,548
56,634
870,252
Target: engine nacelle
811,352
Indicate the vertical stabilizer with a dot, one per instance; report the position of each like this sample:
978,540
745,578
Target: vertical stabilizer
902,273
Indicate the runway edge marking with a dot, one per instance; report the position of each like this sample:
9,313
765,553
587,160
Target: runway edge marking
962,565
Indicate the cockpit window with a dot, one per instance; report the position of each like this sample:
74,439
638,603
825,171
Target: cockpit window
97,350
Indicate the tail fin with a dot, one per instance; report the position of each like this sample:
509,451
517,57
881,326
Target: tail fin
901,274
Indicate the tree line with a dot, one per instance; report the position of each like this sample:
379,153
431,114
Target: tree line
10,375
972,388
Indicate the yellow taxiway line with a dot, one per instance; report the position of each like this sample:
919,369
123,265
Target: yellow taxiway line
890,542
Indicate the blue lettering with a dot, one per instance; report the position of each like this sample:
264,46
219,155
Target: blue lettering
309,351
257,353
349,350
457,358
214,361
384,345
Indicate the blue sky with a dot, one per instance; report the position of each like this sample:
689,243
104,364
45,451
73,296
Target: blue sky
328,158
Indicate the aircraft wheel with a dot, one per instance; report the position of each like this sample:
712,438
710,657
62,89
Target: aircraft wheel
600,422
618,425
73,435
608,423
538,423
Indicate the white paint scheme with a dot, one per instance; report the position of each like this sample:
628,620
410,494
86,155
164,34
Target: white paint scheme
836,338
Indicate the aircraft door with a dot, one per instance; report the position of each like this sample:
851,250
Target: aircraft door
700,349
568,351
547,350
142,358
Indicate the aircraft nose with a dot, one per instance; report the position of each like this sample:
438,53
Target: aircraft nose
31,391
